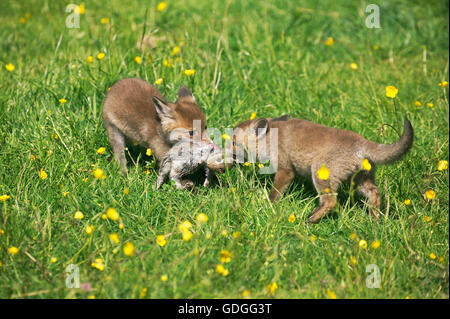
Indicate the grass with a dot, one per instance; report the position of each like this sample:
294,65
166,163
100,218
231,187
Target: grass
249,56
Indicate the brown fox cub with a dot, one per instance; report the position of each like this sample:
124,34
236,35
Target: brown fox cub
305,147
136,110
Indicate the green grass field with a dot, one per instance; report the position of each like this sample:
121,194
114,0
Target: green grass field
269,57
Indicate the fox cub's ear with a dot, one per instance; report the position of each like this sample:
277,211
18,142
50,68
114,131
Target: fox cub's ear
163,110
185,93
260,127
284,117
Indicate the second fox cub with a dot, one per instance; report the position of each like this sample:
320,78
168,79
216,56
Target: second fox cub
303,147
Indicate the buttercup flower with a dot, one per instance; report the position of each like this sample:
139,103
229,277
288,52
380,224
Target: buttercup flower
175,50
138,60
159,81
186,235
13,250
323,173
126,190
114,238
42,174
101,56
418,103
442,165
272,288
190,72
90,59
62,101
329,42
366,164
98,173
407,202
247,164
331,294
291,218
352,260
53,260
89,230
164,278
253,116
112,213
202,218
4,198
391,91
245,293
430,194
225,256
375,244
430,105
362,244
78,215
98,264
161,6
313,238
184,226
104,20
433,256
353,66
80,9
443,84
10,67
101,150
143,293
160,240
128,249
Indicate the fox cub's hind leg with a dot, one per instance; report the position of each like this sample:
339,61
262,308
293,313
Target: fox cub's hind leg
327,195
117,141
365,183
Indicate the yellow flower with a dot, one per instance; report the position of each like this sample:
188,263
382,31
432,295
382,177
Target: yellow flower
104,20
224,233
186,235
353,66
148,152
353,236
430,194
98,264
114,237
161,240
418,103
89,229
161,6
190,72
62,101
80,9
112,213
260,165
225,272
101,150
220,268
42,174
323,173
366,164
184,226
2,232
126,190
407,202
391,91
362,244
4,198
202,218
33,157
313,238
138,60
128,249
291,218
159,81
98,173
121,226
164,278
442,165
331,294
443,84
13,250
78,215
22,20
175,50
225,256
143,293
90,59
441,259
375,244
53,260
252,116
236,234
10,67
352,260
430,105
329,42
426,219
433,256
245,293
272,288
247,164
101,56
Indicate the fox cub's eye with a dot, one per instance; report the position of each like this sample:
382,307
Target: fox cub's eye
191,133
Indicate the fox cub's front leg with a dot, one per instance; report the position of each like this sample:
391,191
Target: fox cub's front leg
163,172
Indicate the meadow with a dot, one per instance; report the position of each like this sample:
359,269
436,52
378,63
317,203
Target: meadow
63,200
